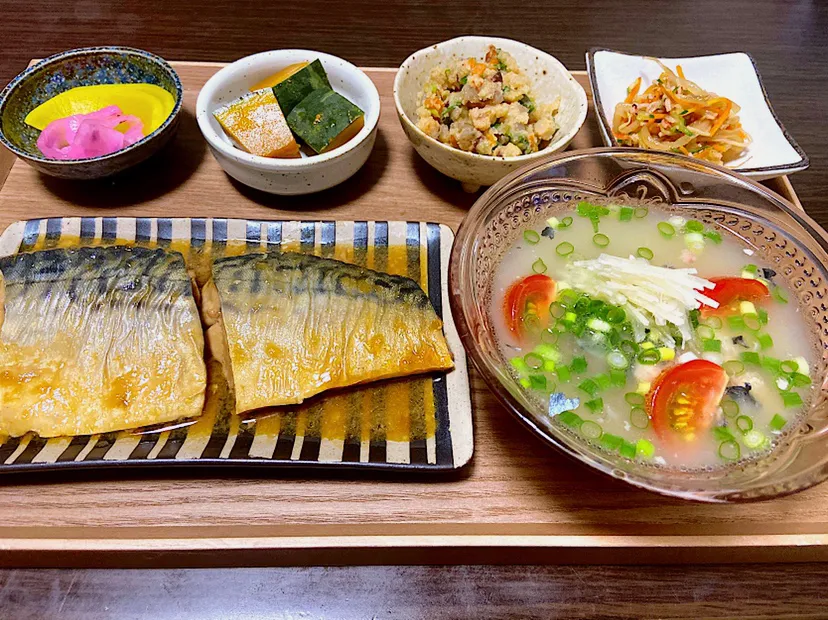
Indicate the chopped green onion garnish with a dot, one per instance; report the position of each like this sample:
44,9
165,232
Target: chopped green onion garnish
549,366
712,345
791,399
713,235
694,241
611,442
518,364
744,423
641,212
730,450
603,381
778,422
730,408
645,449
533,361
753,439
714,322
547,352
627,450
564,374
566,222
779,295
557,309
649,357
733,368
598,325
666,229
537,382
618,377
800,380
553,222
789,366
595,405
564,249
765,341
617,360
578,365
705,332
751,321
722,433
539,266
524,381
601,240
694,226
763,315
750,357
530,236
645,252
625,214
736,322
639,418
570,419
634,398
616,315
591,430
751,269
772,364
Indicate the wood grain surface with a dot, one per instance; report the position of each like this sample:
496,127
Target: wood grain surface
516,495
789,44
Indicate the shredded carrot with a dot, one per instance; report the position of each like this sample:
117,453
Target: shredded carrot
684,150
680,71
722,118
633,90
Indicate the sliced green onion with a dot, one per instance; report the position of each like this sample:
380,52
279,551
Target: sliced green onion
736,322
547,352
617,360
639,418
694,241
694,226
744,423
765,341
649,357
549,366
634,398
598,325
628,348
518,364
591,430
625,214
714,322
553,222
753,439
713,235
705,332
564,374
533,361
537,382
733,368
772,364
616,315
751,269
603,381
645,449
779,295
601,240
729,450
566,222
530,236
666,229
750,357
730,408
763,315
712,345
800,380
641,212
645,252
627,450
595,405
570,419
531,321
557,309
578,365
791,399
611,442
722,433
539,266
778,422
618,378
789,366
524,381
567,297
564,249
549,336
752,321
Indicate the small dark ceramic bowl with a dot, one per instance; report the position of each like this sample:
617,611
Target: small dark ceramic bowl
84,67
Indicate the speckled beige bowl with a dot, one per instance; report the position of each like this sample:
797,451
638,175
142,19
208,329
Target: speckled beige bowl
549,79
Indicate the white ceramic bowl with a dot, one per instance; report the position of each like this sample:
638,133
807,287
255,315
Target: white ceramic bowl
288,176
549,79
773,152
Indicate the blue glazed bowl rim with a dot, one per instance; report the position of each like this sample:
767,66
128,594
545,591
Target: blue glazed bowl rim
85,51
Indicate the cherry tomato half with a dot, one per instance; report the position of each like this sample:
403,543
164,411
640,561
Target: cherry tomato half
530,296
683,400
729,290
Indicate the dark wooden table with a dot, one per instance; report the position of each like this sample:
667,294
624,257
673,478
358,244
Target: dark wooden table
787,39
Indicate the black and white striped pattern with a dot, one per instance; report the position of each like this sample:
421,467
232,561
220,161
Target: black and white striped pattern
229,441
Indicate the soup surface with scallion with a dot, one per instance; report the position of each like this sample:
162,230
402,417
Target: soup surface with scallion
653,336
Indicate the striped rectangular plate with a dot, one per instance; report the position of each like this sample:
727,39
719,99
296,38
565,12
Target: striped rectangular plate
419,423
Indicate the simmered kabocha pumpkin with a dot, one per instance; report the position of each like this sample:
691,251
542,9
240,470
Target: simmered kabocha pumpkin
294,87
256,122
325,120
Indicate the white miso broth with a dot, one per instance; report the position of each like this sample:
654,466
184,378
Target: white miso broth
651,335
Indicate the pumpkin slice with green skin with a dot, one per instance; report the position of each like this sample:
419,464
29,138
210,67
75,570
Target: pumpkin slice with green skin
325,119
280,76
257,125
293,89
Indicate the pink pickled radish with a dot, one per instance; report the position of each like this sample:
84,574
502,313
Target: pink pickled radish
82,136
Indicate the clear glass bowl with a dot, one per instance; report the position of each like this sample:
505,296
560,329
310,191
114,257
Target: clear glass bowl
778,232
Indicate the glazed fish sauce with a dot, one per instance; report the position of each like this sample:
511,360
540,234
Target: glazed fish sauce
599,314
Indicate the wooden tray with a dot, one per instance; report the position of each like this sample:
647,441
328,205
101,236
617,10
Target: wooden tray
412,424
517,502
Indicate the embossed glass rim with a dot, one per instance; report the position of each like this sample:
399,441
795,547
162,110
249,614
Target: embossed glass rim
798,464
